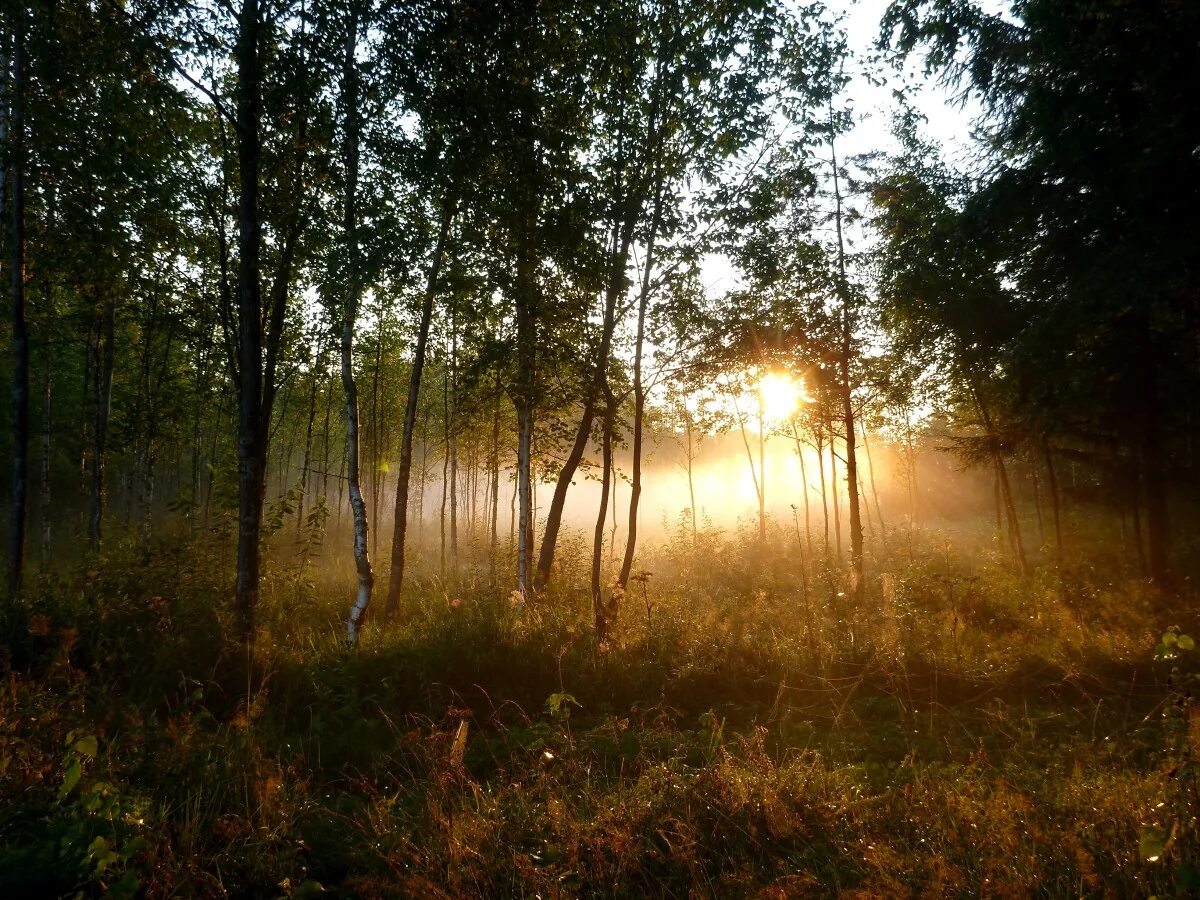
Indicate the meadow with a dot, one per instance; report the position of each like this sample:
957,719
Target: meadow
743,732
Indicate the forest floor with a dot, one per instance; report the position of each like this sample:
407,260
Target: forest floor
968,733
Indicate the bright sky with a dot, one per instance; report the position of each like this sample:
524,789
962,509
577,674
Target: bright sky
948,123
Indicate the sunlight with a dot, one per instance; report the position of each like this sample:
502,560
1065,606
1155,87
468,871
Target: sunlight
781,396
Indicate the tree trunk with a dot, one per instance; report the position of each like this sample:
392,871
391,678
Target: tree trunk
524,402
47,387
762,472
804,486
103,411
376,428
639,399
1037,504
692,485
20,333
758,492
558,500
837,505
452,439
819,435
362,559
495,476
856,531
1014,526
874,484
1055,501
400,528
1137,525
445,466
252,430
599,613
1153,461
325,429
307,461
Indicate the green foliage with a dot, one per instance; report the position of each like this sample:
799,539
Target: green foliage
978,730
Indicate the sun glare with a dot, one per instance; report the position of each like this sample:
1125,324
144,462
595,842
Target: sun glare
781,395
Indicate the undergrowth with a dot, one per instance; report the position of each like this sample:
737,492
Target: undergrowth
746,732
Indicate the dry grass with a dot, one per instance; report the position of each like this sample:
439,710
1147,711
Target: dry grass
966,733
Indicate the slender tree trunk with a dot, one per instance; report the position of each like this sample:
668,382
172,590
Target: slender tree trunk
325,429
619,248
837,505
824,494
913,490
452,439
212,455
524,402
362,559
874,484
495,475
308,445
866,508
1153,461
599,612
639,399
1137,525
1037,504
758,492
283,465
424,473
14,127
998,504
525,495
252,429
399,533
445,465
103,410
558,500
691,484
762,472
376,429
856,530
341,480
1055,501
614,480
804,485
47,388
1014,526
200,407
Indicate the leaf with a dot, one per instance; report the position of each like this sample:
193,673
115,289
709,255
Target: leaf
560,704
1186,642
1169,638
1152,843
70,779
87,746
131,847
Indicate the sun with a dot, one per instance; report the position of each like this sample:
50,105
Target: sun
781,395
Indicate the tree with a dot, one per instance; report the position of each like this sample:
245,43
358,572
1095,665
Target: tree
13,132
1087,198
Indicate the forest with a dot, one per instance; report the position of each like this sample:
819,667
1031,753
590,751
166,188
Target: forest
599,448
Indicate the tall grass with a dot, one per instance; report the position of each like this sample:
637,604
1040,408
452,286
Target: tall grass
966,732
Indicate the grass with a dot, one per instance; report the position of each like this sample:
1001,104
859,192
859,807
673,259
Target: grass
968,732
